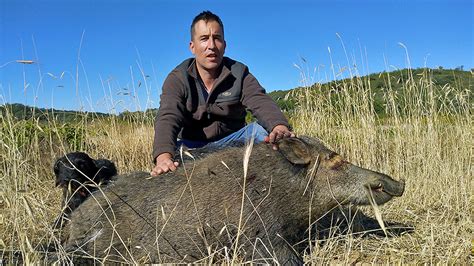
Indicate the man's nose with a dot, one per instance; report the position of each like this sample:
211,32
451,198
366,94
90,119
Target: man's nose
211,43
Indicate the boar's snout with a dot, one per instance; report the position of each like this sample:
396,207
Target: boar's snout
383,187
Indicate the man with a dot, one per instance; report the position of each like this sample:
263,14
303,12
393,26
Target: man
204,100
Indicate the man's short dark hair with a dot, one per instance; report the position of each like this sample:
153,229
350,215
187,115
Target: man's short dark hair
206,16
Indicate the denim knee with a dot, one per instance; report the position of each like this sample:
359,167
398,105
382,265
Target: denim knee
259,133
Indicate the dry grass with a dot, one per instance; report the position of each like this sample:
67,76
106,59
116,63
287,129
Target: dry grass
423,139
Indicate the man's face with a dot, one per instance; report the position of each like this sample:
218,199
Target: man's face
208,45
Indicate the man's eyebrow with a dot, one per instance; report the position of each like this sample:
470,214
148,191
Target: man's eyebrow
202,35
207,35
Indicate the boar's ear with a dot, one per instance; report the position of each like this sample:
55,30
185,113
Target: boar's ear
295,150
106,168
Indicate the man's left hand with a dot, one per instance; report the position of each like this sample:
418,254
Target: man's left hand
279,132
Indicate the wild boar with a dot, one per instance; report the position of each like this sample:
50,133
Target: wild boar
253,208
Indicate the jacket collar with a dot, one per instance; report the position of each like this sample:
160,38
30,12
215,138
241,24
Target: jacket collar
192,71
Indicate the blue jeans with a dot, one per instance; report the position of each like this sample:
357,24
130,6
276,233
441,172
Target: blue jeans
252,130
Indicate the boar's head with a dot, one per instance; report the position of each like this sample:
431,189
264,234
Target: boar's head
80,168
334,179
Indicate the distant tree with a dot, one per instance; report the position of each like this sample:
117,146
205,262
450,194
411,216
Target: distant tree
460,68
440,68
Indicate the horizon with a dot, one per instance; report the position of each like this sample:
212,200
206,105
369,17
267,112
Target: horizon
121,53
156,108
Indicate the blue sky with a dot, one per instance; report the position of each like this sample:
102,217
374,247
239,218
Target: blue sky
111,56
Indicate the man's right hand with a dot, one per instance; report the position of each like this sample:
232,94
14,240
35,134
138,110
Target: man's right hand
163,164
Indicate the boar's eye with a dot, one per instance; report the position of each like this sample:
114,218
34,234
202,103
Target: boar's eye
335,160
56,168
331,155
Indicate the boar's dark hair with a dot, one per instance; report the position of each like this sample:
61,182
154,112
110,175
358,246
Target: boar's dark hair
79,175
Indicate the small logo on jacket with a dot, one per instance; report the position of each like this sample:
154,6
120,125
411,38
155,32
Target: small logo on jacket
227,93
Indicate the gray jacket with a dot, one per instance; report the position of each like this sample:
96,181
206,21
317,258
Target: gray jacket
186,113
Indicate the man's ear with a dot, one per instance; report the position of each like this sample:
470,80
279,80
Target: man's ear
295,150
191,47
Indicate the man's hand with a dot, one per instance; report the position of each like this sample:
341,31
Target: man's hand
163,164
279,132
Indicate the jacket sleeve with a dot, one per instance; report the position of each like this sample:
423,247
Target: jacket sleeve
169,120
260,104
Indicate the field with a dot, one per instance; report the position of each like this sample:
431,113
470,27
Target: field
425,137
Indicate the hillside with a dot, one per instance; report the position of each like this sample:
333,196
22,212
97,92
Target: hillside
379,83
24,112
